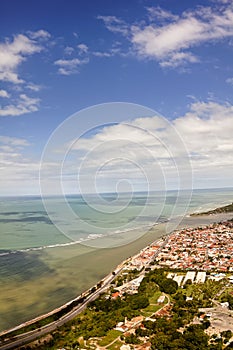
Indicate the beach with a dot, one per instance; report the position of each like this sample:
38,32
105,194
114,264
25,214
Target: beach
65,272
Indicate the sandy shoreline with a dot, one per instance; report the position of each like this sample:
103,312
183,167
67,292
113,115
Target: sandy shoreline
74,269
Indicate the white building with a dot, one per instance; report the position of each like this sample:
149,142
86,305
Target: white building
190,275
201,277
178,279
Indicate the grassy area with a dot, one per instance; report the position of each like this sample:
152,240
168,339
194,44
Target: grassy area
111,335
116,346
96,325
154,298
204,293
209,287
227,291
154,306
146,313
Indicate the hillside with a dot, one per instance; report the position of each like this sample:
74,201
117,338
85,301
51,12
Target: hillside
226,209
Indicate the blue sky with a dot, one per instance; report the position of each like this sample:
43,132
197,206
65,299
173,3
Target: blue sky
58,57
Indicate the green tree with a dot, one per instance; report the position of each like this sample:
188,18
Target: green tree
167,285
132,339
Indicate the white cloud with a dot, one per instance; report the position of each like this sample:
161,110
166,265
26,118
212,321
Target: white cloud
146,145
83,48
102,54
13,141
68,67
24,105
175,38
110,53
11,150
161,14
10,77
116,49
170,39
222,1
206,130
229,81
34,87
122,150
115,24
40,34
68,50
19,174
13,53
179,58
4,94
129,151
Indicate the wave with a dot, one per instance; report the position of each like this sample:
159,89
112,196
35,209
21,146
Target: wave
81,240
91,236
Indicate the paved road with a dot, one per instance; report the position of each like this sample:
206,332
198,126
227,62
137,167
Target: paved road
162,246
26,338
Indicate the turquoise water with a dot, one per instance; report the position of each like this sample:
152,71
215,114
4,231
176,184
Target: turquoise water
35,279
24,222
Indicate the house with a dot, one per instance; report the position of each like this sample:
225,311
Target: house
225,305
121,327
125,347
115,295
161,299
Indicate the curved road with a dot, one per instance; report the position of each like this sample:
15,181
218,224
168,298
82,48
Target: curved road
26,338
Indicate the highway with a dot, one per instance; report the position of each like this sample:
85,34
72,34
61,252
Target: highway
28,337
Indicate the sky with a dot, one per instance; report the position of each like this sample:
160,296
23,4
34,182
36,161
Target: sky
58,58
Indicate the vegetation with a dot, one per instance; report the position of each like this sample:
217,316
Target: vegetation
173,331
110,336
166,285
126,277
225,209
43,321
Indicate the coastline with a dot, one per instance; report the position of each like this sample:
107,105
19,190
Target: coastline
227,208
118,256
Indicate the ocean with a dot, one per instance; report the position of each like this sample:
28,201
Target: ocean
47,260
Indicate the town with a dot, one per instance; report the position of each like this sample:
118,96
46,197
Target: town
203,248
177,290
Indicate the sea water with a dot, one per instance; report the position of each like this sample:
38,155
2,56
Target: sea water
24,222
42,267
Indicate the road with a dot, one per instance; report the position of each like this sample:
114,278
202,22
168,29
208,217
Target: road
162,246
26,338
